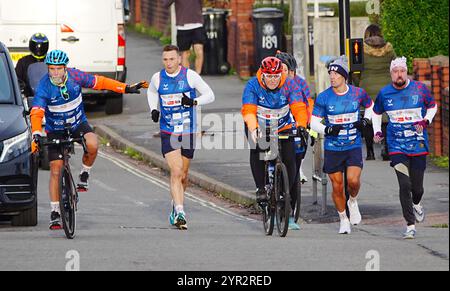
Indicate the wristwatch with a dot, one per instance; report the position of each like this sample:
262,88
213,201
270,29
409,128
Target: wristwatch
195,102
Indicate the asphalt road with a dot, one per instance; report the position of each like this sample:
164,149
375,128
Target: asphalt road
122,225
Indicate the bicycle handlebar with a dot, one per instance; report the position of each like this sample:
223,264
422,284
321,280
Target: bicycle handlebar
68,141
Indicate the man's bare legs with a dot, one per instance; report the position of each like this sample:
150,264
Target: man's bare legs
199,58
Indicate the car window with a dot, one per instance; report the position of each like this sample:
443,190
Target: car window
6,90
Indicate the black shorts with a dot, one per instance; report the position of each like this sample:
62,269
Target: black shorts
186,38
55,152
171,142
335,161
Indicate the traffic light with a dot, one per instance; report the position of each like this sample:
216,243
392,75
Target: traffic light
355,53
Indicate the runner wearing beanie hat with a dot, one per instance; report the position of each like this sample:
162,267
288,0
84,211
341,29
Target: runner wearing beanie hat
410,108
339,66
339,105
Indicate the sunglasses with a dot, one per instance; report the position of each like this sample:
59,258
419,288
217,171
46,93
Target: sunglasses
272,76
64,92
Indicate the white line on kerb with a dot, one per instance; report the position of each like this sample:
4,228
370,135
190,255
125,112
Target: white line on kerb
162,184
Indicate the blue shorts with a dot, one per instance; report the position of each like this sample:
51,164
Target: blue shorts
337,161
412,162
186,143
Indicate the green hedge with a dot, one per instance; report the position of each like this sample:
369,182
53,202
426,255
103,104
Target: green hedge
416,29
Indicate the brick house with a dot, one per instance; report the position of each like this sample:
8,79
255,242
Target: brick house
239,26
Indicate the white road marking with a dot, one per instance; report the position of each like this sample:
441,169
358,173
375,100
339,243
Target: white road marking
162,184
103,185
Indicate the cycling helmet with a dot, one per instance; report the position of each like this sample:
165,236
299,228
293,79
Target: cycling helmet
271,65
38,45
57,57
287,59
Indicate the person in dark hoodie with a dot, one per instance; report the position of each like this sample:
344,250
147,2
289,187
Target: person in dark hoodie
378,55
190,30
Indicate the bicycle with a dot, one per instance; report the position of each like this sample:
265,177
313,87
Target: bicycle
68,198
278,206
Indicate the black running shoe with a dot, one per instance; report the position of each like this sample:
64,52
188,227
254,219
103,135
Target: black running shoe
55,221
83,183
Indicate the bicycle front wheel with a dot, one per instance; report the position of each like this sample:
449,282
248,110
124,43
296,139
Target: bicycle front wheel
67,203
283,201
268,216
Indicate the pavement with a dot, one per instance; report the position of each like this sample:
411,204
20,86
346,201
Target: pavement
222,164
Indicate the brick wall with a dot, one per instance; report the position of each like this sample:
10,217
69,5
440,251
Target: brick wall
445,121
240,37
434,73
151,13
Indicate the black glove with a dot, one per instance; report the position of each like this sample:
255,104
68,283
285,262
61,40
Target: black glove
361,124
37,139
313,141
155,115
134,89
303,134
186,101
333,130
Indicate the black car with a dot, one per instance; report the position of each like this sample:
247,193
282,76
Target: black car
18,166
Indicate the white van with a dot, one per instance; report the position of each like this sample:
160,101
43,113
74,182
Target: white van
91,32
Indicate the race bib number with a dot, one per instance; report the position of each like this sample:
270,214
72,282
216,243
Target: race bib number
171,100
405,115
343,118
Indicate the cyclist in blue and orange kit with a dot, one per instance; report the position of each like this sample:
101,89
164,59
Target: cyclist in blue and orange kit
272,100
58,98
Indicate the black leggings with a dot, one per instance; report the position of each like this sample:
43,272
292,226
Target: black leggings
294,189
257,164
369,134
410,180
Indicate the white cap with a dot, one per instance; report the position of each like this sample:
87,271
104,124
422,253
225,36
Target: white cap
399,62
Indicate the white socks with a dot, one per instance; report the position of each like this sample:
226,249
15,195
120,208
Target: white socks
343,215
179,208
55,207
353,199
85,168
410,227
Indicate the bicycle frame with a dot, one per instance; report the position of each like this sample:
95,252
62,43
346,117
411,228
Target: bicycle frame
279,198
68,205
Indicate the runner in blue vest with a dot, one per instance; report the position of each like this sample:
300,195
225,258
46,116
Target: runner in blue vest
174,88
410,108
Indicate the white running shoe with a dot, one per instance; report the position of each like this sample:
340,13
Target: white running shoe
410,232
419,212
345,227
355,215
